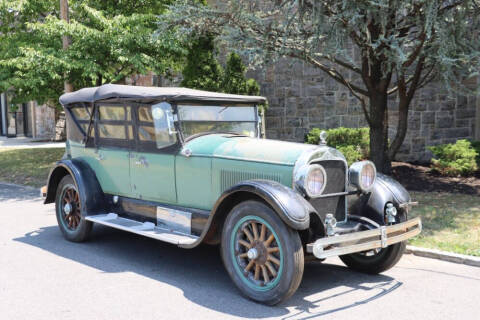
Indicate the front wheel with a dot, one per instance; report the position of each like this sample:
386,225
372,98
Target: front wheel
262,255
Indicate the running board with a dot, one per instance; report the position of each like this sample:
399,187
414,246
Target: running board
147,229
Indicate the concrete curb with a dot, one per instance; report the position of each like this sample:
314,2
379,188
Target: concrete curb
445,256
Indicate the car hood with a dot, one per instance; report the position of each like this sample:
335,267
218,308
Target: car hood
246,148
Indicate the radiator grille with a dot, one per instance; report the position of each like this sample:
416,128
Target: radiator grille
229,178
336,179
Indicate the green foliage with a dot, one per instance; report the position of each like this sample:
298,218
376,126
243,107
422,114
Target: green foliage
109,41
202,70
374,49
234,80
476,147
454,159
352,142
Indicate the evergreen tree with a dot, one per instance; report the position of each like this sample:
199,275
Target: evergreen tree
234,80
202,71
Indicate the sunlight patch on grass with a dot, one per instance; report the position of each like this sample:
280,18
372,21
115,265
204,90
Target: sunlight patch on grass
451,222
28,166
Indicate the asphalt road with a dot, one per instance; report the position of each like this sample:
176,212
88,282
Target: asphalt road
118,275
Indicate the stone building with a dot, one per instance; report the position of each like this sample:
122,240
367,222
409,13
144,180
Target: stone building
302,97
27,119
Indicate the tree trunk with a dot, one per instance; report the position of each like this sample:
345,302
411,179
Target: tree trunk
379,132
61,125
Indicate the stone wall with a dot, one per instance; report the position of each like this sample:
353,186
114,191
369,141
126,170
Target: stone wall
44,122
302,97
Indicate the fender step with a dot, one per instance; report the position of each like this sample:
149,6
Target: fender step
147,229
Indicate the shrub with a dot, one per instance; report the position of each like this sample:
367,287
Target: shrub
352,142
476,147
454,159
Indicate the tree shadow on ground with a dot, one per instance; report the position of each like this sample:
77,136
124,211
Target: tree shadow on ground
200,274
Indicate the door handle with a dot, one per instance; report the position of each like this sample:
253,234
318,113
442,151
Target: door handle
100,157
142,162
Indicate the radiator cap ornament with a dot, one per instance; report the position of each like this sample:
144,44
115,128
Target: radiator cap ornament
323,138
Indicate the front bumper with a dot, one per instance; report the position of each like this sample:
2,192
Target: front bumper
365,240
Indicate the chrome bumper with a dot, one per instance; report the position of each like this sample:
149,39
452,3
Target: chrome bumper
365,240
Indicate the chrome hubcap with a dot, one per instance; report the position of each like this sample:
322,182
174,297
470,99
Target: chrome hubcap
252,254
67,208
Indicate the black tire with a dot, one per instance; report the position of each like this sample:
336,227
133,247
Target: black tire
379,262
73,226
283,254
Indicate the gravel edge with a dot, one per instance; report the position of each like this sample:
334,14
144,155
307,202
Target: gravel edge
443,255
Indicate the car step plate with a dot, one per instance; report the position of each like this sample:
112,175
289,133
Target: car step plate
147,229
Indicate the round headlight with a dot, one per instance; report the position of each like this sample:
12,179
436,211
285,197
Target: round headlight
363,175
315,180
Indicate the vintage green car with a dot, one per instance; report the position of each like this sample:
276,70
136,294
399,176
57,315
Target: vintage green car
189,167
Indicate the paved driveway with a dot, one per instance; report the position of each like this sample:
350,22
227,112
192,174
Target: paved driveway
117,275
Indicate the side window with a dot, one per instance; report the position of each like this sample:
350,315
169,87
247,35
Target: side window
155,128
114,125
82,113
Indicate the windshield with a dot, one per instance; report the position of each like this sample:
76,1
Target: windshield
201,119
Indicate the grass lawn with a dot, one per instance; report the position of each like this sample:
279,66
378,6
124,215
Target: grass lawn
451,222
28,166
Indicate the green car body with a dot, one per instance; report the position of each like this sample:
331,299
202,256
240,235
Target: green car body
190,167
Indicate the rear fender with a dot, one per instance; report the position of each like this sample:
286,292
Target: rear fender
92,197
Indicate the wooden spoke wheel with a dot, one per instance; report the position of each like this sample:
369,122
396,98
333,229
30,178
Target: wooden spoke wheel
258,252
71,207
262,255
68,206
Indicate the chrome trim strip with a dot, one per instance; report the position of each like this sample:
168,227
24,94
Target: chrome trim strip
329,195
180,221
325,247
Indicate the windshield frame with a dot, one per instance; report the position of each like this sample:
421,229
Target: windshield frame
179,120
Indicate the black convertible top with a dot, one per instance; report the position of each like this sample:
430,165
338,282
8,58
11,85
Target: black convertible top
115,91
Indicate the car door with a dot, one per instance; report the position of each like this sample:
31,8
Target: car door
152,165
114,139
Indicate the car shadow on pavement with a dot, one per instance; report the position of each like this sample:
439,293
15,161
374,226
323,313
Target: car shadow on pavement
325,289
12,192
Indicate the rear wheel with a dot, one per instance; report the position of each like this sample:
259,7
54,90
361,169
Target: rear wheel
375,261
262,255
68,211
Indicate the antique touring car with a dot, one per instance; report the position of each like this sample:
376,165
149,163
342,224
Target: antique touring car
189,167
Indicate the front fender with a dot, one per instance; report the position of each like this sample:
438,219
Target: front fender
372,205
292,208
90,192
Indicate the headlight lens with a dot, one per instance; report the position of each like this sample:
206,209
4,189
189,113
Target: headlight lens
315,180
363,175
367,177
